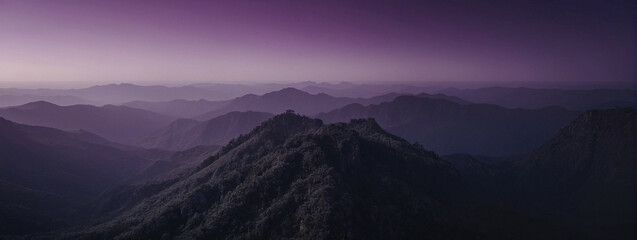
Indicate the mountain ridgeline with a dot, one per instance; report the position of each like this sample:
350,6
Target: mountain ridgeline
115,123
579,100
179,108
183,134
197,99
45,172
295,177
291,98
450,127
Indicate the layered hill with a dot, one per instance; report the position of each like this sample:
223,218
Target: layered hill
115,123
294,99
183,134
15,100
126,92
450,127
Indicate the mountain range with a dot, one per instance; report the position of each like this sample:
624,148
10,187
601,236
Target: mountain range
291,98
179,108
328,167
15,100
115,123
117,94
125,92
45,171
538,98
449,127
272,102
295,177
183,134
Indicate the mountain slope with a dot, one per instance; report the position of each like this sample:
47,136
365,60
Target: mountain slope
115,123
586,174
293,177
184,133
291,98
447,127
45,171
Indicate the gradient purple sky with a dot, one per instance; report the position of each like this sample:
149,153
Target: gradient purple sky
80,41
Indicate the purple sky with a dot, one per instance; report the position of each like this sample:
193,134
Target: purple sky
52,41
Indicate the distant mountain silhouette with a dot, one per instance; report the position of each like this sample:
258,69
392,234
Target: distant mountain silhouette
126,92
46,171
179,108
443,97
505,96
15,100
115,123
448,127
291,98
183,134
538,98
345,89
273,102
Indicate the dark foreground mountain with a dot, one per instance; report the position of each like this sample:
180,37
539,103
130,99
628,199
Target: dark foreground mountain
584,177
581,181
185,133
115,123
291,98
293,177
174,163
45,171
449,127
539,98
